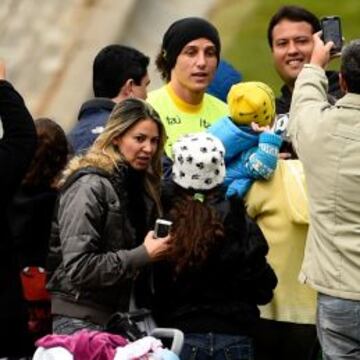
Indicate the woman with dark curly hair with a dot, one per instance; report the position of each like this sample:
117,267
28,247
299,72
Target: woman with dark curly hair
216,274
30,217
33,205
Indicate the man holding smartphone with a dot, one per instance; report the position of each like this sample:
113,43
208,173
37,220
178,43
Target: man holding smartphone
289,35
327,139
287,325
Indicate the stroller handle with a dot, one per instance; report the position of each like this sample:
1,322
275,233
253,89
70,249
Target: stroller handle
176,334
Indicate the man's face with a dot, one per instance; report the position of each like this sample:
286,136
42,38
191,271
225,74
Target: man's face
195,66
292,46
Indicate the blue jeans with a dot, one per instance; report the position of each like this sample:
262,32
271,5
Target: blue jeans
65,325
338,327
217,347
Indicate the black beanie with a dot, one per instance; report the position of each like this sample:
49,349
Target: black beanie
182,32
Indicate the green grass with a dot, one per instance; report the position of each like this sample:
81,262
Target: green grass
243,24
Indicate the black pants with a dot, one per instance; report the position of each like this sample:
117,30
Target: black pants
276,340
15,340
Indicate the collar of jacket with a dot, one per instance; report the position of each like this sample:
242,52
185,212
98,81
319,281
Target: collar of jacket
349,100
96,104
81,172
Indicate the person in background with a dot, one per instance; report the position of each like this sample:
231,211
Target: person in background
332,170
17,147
119,72
109,200
290,38
216,273
225,77
251,147
187,62
279,206
31,212
30,216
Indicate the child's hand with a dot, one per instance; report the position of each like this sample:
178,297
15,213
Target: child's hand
259,129
284,155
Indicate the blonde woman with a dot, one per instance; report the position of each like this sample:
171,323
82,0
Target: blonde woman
100,236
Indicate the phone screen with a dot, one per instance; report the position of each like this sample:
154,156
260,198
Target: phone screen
331,28
162,228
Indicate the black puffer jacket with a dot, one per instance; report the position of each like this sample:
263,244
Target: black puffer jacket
30,216
222,294
283,102
95,252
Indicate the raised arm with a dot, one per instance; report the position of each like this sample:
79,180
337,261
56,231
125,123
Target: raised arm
310,98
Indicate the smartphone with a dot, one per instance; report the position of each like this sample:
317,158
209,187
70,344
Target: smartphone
280,126
331,30
162,228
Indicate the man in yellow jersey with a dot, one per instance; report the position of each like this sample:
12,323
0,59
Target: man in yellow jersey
187,61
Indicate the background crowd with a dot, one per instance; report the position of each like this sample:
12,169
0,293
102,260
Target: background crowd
261,260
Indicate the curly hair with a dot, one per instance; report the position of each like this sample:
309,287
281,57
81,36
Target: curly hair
51,154
196,229
163,66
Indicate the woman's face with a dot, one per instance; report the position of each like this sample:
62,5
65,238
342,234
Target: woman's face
139,144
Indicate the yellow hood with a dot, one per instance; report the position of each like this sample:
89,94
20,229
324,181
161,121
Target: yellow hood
295,190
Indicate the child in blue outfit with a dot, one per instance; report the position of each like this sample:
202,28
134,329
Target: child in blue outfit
251,147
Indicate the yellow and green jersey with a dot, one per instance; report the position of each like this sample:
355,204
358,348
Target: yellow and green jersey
180,118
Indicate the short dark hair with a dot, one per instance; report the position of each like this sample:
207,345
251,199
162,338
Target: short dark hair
350,66
292,13
114,65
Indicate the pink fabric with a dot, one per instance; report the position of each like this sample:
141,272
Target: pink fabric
139,349
85,344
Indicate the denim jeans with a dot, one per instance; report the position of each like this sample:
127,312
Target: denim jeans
217,347
338,327
64,325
